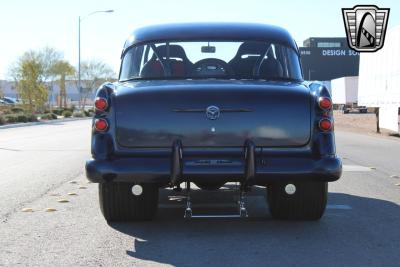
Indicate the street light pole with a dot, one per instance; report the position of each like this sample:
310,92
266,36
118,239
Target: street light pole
79,43
79,58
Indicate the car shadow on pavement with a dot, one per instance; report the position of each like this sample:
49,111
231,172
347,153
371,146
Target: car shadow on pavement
355,231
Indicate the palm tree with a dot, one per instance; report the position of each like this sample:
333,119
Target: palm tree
62,69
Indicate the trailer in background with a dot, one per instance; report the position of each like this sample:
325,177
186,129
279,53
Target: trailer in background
379,80
345,94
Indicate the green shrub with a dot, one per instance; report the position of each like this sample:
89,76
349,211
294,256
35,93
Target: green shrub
67,113
88,113
58,111
78,114
2,120
11,118
48,116
17,110
22,118
31,117
45,116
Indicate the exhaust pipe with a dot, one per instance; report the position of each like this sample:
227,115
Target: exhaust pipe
290,189
137,190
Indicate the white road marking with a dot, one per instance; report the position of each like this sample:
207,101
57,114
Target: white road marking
338,207
356,168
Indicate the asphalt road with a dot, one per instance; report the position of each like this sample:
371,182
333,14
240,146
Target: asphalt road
40,165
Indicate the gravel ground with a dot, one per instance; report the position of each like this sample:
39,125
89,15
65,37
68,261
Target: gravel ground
360,123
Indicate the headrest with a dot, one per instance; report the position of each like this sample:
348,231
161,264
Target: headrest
175,51
256,48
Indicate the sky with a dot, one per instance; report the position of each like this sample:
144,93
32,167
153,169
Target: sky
28,24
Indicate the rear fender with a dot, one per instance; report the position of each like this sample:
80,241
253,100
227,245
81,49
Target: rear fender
102,142
323,142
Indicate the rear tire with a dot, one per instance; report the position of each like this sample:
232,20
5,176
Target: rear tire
307,203
118,204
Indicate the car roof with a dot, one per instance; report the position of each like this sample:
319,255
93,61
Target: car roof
215,31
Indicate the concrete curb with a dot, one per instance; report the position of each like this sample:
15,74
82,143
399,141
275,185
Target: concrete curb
18,125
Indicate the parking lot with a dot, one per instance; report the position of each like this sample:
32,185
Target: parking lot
360,226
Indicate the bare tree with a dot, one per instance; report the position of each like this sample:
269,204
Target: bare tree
49,57
93,74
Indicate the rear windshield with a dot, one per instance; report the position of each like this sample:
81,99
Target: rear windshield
205,60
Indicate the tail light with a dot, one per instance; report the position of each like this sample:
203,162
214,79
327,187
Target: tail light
101,103
325,103
101,125
325,125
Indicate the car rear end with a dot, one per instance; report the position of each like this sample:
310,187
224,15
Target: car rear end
279,134
243,114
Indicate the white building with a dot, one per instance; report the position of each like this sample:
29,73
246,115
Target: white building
379,80
345,90
8,88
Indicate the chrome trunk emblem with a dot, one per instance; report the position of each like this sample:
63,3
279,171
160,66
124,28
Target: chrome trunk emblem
213,112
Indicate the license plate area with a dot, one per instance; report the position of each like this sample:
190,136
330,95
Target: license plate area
213,162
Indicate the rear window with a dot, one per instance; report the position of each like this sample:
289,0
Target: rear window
208,59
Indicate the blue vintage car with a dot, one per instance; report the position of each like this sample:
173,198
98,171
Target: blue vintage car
212,103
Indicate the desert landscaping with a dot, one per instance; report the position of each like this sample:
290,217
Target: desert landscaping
361,123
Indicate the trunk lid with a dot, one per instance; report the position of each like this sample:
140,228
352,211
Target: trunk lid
155,113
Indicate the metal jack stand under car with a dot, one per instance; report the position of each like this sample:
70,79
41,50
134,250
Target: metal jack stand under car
242,211
249,173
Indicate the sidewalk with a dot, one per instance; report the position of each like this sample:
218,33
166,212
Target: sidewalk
43,122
